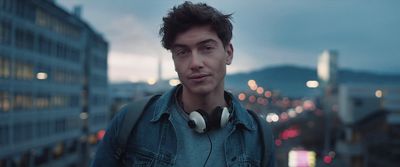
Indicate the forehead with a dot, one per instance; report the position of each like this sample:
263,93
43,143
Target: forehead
196,35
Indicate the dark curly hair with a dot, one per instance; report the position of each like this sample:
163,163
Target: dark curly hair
187,15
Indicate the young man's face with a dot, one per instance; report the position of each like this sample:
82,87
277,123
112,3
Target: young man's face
200,60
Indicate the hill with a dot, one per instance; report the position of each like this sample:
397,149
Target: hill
290,80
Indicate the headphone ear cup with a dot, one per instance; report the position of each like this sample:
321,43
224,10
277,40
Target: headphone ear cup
198,121
225,116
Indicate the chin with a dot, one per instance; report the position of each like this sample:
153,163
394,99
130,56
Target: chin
200,89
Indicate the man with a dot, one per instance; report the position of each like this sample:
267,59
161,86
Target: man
196,123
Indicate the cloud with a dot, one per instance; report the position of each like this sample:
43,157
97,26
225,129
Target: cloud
130,67
266,33
128,35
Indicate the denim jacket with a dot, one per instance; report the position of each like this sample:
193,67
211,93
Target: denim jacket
153,140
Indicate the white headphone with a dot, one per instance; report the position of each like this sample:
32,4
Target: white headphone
201,122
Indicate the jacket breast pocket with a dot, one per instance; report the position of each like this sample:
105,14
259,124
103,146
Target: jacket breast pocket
139,158
245,161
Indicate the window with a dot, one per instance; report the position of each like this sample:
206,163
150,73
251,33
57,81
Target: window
43,128
28,40
5,104
24,39
28,131
45,45
40,129
60,51
45,20
25,9
74,53
23,71
23,101
60,125
56,101
74,102
5,65
6,5
22,132
5,32
19,38
42,101
4,134
17,132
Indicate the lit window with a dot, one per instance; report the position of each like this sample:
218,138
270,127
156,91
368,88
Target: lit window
4,102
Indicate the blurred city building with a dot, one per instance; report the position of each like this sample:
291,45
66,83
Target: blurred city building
352,121
126,92
370,133
54,102
327,70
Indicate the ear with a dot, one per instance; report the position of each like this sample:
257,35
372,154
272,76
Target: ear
229,54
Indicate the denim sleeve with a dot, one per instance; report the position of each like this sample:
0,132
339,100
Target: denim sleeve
105,154
272,160
270,141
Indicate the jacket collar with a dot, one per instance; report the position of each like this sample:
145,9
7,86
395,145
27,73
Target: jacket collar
162,107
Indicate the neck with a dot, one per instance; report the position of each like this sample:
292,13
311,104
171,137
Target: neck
206,102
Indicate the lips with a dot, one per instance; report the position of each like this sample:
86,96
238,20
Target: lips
198,77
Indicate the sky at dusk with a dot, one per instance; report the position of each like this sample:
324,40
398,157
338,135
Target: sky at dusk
366,33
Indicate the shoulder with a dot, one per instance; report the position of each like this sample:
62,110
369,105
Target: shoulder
137,107
131,112
261,123
266,134
258,119
264,130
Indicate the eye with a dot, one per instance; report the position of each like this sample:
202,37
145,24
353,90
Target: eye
207,48
180,52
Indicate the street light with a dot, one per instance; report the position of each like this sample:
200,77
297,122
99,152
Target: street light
41,75
174,82
312,84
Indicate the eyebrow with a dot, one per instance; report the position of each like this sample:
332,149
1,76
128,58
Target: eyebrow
207,41
197,44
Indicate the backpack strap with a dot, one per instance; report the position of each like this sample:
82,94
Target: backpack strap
135,110
266,134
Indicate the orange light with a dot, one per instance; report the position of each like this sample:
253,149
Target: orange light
252,84
378,93
260,90
252,99
151,81
261,100
308,105
284,116
267,94
242,96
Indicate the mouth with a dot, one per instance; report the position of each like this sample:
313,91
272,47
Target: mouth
198,77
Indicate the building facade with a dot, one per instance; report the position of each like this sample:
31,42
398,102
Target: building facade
53,85
370,131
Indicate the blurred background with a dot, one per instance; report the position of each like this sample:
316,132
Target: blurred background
324,74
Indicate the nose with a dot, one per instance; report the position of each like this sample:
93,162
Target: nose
196,61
